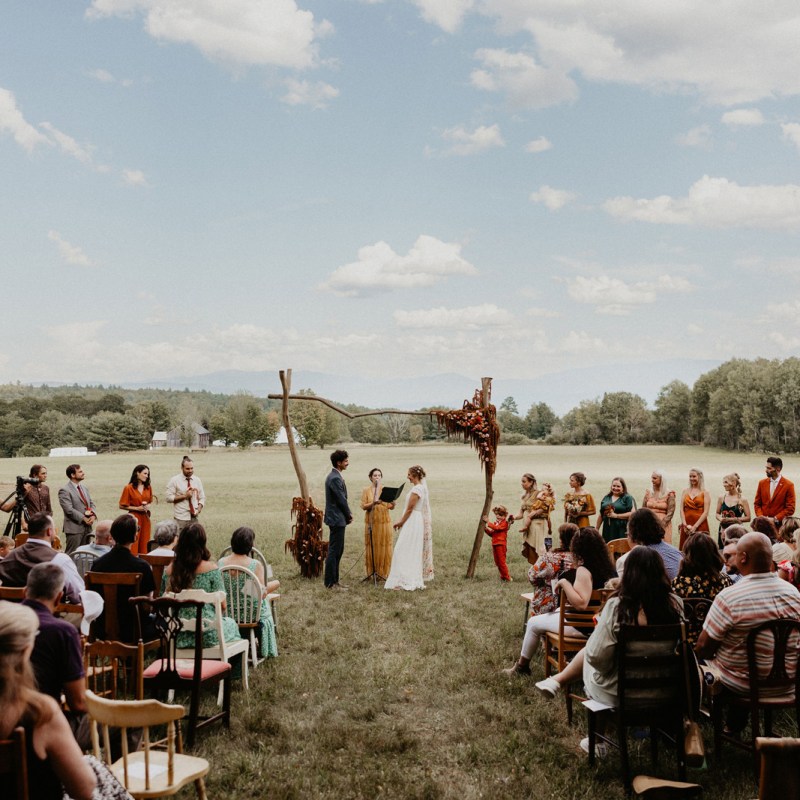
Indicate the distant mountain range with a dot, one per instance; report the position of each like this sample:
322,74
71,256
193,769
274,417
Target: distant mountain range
560,390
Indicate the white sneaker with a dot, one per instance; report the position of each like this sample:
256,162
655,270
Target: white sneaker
600,748
549,687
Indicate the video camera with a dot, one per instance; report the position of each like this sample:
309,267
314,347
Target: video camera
22,481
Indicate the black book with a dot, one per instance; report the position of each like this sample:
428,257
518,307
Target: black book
390,493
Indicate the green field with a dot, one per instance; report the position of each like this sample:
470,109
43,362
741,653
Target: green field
396,694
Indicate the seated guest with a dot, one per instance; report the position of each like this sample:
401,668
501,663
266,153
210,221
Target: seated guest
643,597
102,540
645,529
593,568
729,560
548,568
165,537
242,540
121,559
57,658
6,546
783,547
38,549
733,533
53,756
760,596
700,575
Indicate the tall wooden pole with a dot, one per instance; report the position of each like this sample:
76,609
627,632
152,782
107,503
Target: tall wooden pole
286,383
488,473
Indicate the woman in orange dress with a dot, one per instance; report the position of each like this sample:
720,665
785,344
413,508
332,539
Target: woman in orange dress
136,498
661,501
695,506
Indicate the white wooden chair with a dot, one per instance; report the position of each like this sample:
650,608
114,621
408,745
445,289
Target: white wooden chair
244,594
146,772
83,562
272,597
224,650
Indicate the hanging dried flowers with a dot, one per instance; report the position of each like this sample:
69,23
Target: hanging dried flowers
306,544
478,425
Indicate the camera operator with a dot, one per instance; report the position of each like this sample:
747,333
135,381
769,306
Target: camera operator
37,495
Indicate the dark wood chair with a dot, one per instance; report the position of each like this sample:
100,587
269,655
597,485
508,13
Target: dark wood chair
14,766
14,594
780,768
115,669
695,610
652,692
110,586
170,673
777,687
158,564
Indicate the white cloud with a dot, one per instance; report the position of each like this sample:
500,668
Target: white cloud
104,76
789,311
539,312
71,253
554,199
12,121
716,203
134,177
237,32
614,297
380,269
525,82
580,342
470,318
696,137
306,93
791,132
745,117
538,145
468,143
67,144
447,14
784,342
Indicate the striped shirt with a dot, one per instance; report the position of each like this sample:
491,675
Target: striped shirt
755,599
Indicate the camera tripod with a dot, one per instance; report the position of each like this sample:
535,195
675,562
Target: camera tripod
14,524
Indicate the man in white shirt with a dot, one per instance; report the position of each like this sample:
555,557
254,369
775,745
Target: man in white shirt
185,492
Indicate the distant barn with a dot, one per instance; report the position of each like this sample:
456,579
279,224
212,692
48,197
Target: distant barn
201,438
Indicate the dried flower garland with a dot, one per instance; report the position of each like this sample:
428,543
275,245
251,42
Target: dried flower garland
478,426
306,544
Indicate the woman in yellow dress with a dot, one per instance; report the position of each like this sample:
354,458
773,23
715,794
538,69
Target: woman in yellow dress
578,503
377,514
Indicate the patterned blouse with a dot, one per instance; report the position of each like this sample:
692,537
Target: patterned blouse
705,586
542,574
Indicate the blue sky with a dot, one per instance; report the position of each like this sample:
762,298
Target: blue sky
490,187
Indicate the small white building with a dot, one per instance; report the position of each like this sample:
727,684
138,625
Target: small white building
159,440
71,452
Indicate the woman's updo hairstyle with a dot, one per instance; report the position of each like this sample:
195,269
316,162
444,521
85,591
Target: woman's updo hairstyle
417,472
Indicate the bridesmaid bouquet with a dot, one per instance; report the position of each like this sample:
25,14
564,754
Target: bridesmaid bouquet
574,504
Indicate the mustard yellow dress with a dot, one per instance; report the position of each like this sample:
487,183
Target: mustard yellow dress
381,535
579,508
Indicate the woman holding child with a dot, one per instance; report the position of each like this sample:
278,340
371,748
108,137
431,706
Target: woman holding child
534,512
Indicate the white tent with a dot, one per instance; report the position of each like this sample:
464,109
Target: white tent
284,439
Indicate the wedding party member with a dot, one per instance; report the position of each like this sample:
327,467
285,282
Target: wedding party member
498,530
548,568
695,506
37,496
185,492
534,512
775,494
377,517
136,499
412,561
578,503
615,510
337,517
732,508
593,568
78,507
661,501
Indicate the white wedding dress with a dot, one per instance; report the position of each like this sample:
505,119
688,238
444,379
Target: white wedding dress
412,560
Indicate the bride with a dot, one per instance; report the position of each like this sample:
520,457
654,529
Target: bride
412,562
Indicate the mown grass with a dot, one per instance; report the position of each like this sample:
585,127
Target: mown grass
392,694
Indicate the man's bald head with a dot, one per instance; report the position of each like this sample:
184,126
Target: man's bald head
102,532
754,554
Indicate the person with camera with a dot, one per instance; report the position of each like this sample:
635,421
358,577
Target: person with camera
78,507
36,495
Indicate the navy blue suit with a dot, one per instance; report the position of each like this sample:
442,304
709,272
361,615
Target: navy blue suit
337,517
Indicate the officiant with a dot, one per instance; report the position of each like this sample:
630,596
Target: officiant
377,516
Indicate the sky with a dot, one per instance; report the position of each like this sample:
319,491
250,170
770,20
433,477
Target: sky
398,188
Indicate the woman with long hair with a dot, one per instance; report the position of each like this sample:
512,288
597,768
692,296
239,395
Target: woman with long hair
592,569
192,568
660,499
732,508
377,518
644,597
695,506
136,499
615,510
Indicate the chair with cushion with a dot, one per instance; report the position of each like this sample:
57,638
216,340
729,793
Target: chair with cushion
83,562
157,564
244,593
652,692
146,772
14,766
170,672
777,686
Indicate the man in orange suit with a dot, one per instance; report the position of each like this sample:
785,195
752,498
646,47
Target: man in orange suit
775,494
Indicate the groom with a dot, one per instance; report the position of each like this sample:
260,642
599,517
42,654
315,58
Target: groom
337,517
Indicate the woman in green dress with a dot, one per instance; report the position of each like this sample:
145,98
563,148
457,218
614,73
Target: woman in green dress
192,568
615,510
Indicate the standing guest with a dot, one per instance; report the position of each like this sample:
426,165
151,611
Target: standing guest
578,503
700,575
185,492
775,494
661,501
136,499
78,507
548,569
165,537
732,508
695,506
37,496
38,549
377,518
6,546
337,517
102,540
57,656
124,531
615,511
498,530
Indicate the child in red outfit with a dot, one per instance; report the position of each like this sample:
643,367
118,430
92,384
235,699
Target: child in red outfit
498,530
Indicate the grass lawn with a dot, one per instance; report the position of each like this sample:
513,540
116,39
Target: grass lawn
398,694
